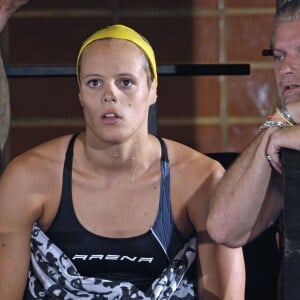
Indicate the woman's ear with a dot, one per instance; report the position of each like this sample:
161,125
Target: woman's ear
153,92
154,99
80,100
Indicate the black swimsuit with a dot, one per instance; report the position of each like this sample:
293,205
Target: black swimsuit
138,259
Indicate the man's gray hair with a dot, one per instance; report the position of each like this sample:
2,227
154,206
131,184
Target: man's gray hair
289,11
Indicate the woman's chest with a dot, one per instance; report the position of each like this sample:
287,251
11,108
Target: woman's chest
117,211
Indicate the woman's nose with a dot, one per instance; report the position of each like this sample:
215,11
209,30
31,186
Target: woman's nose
109,98
109,95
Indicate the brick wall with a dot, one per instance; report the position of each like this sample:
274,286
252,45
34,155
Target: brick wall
209,113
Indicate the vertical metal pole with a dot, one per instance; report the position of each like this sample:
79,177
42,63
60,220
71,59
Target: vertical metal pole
289,286
291,225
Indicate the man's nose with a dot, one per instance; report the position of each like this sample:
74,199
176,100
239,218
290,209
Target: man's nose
287,66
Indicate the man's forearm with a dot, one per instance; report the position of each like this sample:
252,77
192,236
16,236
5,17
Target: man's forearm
7,8
238,201
4,106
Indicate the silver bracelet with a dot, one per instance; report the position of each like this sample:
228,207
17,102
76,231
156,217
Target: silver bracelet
271,124
286,115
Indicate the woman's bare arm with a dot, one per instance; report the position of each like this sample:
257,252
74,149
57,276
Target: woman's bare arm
221,269
20,206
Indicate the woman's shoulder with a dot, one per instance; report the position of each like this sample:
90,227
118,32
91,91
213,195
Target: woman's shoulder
185,155
39,159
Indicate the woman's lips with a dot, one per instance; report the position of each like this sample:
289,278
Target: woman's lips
111,118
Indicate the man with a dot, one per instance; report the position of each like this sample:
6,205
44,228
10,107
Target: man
249,198
7,8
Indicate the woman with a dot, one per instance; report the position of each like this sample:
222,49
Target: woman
108,209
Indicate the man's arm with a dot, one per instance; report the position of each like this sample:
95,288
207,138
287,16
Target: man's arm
4,106
7,8
247,199
15,225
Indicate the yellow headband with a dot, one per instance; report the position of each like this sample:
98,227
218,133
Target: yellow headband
124,33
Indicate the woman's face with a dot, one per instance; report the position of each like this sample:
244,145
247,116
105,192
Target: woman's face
114,92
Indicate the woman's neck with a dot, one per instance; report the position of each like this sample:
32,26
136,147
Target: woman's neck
131,155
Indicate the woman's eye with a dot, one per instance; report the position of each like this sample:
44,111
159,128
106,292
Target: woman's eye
94,83
127,83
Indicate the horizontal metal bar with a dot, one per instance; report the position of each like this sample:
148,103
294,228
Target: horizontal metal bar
39,71
267,52
204,69
164,70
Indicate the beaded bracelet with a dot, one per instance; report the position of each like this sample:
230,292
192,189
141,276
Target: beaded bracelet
271,124
284,114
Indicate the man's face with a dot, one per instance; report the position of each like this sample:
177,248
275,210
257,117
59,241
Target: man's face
287,61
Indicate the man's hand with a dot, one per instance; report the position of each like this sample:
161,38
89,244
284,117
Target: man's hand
282,138
11,6
7,8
